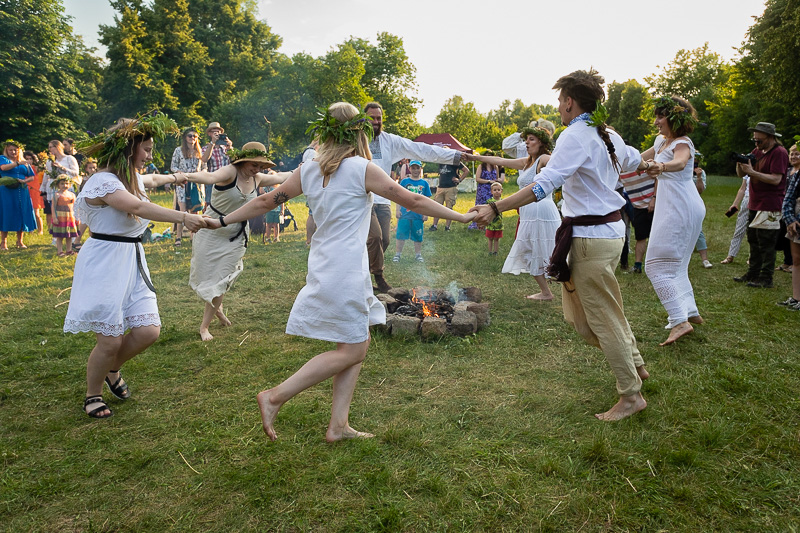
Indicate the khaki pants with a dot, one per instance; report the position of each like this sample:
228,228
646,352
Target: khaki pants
380,229
593,305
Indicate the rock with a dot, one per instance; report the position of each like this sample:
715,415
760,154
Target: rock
383,328
399,294
433,327
462,306
472,294
388,302
464,323
481,313
403,325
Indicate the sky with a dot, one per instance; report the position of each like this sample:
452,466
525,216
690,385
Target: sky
487,52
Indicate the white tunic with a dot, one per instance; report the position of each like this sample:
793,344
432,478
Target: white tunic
337,303
108,293
536,235
677,221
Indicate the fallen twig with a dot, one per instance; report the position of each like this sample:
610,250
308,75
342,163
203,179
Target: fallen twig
187,463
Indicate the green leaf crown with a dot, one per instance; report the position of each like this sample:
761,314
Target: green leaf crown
328,127
540,133
677,115
236,155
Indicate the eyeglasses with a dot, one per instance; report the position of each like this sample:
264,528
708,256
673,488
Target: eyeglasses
192,136
757,141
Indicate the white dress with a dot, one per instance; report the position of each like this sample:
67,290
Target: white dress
677,221
337,303
216,259
536,236
109,295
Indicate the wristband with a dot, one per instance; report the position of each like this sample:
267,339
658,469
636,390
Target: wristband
538,192
494,208
222,221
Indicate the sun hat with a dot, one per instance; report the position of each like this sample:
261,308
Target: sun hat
216,125
252,151
765,127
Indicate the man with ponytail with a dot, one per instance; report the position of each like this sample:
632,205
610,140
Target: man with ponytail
587,161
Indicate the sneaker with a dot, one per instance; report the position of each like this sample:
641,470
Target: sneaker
396,258
789,302
795,307
419,258
707,264
447,228
433,228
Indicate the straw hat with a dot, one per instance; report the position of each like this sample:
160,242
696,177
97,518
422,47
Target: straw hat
252,151
216,125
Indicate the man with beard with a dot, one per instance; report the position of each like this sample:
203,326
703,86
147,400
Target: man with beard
387,149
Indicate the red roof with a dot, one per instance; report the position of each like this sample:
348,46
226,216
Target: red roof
444,140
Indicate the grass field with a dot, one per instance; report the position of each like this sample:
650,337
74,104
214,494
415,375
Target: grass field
492,432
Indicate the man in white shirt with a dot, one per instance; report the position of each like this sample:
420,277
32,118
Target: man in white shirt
587,162
387,149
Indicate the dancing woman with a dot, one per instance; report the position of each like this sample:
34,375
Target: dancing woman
217,255
111,288
337,303
678,215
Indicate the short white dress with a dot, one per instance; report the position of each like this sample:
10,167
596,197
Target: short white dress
677,221
109,295
536,236
217,254
337,303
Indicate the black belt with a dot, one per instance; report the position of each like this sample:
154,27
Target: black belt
134,240
241,229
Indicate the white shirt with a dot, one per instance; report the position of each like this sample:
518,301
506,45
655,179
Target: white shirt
581,164
388,148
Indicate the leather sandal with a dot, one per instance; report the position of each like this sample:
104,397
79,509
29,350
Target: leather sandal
119,388
92,400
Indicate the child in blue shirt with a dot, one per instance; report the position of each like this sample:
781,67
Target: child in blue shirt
409,223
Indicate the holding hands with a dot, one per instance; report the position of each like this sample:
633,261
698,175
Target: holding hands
482,214
195,222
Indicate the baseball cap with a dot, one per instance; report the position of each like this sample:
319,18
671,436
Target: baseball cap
414,162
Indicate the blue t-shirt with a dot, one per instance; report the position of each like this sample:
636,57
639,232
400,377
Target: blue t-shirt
419,186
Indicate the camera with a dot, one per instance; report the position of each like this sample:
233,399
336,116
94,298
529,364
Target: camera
742,158
222,139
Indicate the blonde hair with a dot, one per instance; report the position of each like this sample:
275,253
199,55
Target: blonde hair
128,178
20,156
331,153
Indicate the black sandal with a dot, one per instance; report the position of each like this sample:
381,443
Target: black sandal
93,413
120,391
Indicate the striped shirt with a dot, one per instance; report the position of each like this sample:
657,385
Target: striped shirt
640,187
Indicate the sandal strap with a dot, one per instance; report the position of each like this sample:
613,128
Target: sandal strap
96,400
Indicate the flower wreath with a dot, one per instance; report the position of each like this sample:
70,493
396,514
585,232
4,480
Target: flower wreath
235,155
108,147
328,127
677,115
63,177
12,142
540,133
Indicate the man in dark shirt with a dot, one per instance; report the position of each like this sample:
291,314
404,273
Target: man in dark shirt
767,185
447,190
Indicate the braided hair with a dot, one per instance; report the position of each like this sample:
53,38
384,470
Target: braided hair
586,88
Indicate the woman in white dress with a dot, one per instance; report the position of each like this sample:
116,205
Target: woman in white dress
678,215
538,221
337,303
111,288
217,255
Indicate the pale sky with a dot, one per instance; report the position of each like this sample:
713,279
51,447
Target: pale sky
487,52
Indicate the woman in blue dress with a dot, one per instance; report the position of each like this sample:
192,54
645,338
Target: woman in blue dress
16,209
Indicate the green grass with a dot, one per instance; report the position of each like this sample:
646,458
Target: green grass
492,432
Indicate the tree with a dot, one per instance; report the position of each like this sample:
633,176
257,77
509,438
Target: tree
627,104
467,124
49,75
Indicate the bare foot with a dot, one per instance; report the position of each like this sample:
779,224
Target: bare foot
222,318
540,297
684,328
347,433
205,335
269,411
625,407
643,373
697,319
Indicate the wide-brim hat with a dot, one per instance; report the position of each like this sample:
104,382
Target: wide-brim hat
252,151
216,125
766,127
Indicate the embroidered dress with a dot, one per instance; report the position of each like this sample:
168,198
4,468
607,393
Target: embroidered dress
66,226
108,294
217,254
337,303
536,236
677,220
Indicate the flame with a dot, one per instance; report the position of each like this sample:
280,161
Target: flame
427,310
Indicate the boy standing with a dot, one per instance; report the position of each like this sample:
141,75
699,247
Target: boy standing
494,231
409,223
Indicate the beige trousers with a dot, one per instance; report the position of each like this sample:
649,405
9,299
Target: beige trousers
592,303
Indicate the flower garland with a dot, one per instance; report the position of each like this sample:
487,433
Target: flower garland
109,146
235,155
12,142
540,133
328,127
677,115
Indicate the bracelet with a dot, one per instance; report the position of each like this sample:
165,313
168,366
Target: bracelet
222,221
174,178
494,208
183,219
